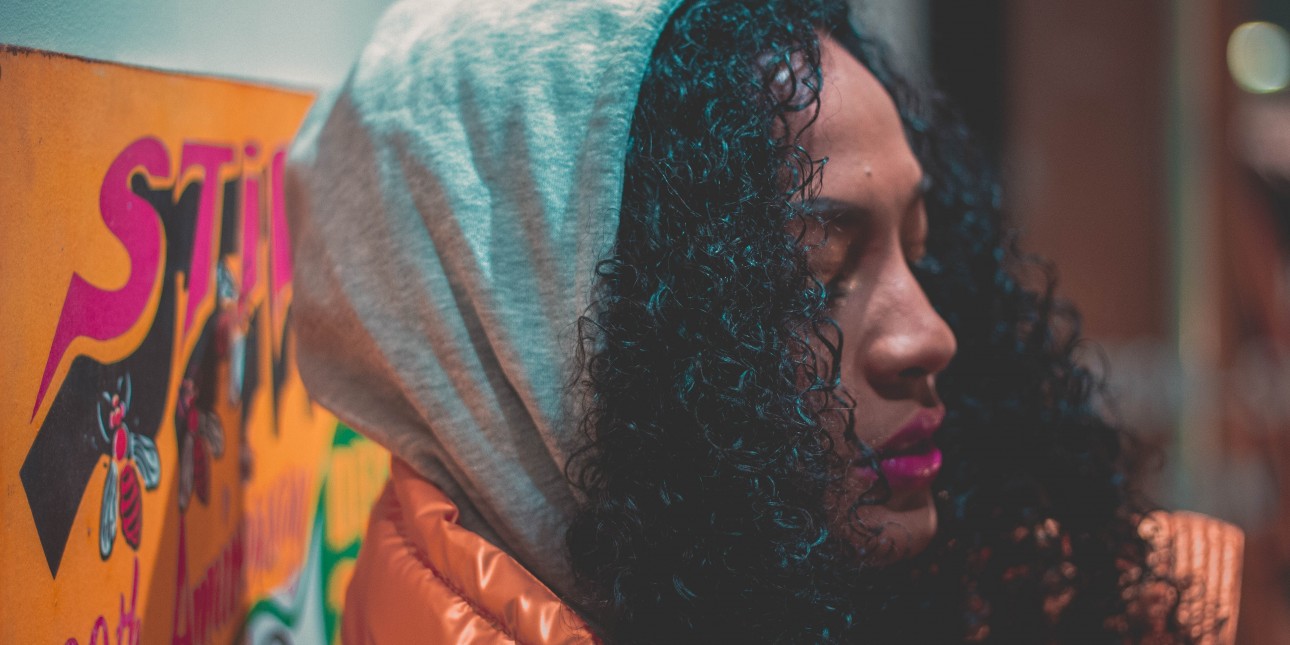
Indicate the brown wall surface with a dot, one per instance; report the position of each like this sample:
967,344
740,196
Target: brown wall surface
1087,190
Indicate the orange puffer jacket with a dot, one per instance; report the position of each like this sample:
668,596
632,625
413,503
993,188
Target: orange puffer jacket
422,578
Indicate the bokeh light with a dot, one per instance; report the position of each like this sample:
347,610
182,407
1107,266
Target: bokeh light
1258,55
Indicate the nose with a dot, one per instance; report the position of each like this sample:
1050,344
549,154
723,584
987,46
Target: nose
910,342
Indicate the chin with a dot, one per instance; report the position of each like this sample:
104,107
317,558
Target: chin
904,526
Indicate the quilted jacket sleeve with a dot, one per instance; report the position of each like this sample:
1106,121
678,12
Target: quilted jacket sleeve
422,578
1204,554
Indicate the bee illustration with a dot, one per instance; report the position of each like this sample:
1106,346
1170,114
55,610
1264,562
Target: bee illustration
131,457
205,439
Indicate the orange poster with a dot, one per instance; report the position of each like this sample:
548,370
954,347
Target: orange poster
166,479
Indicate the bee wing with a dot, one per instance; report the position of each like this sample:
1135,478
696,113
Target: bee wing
186,473
144,451
213,431
107,516
98,415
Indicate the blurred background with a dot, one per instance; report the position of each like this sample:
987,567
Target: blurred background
1146,151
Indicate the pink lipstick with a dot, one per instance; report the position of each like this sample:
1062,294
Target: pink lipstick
909,459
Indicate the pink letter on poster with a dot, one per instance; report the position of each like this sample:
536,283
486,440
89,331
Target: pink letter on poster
250,236
98,313
281,275
209,158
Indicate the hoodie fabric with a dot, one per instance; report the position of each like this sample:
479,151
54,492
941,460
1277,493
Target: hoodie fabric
447,208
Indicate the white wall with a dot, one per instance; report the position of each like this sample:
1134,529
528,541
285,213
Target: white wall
307,43
304,43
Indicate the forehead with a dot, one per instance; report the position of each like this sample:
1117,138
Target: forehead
858,129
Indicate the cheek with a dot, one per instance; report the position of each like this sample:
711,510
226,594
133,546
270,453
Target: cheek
852,311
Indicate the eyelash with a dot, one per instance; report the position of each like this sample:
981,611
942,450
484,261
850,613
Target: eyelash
833,291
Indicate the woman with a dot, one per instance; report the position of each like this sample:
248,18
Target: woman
670,281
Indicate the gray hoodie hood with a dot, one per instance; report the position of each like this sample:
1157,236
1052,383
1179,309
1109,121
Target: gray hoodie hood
447,208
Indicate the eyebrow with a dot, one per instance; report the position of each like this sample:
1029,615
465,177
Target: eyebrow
841,208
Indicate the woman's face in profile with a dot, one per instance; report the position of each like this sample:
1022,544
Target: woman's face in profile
871,200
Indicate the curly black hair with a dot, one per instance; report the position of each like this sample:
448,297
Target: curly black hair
711,370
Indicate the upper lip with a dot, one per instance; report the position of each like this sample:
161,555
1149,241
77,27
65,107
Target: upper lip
918,429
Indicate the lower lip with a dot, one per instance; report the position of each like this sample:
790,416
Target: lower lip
910,470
